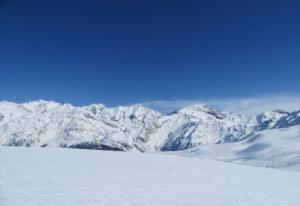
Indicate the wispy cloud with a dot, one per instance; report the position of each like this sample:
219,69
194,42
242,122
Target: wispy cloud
169,105
248,106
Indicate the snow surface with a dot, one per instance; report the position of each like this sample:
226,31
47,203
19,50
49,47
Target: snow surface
68,177
276,148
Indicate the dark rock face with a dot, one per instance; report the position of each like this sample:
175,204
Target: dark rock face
181,139
288,121
20,143
95,146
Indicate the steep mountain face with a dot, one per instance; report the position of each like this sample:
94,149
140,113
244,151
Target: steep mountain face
277,119
93,127
50,124
199,124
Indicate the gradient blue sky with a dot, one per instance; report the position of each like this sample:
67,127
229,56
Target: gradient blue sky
124,52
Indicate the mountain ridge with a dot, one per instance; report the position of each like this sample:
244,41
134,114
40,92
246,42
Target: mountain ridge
134,127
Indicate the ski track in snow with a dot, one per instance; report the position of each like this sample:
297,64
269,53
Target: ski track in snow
67,177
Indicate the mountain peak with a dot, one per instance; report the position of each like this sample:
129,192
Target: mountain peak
196,107
95,108
38,105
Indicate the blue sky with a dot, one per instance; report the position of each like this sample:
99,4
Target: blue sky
125,52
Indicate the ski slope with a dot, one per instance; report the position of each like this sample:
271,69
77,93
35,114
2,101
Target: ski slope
68,177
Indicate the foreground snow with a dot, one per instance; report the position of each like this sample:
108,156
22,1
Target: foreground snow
43,176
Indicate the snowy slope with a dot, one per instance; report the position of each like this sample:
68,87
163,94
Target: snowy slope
48,176
276,148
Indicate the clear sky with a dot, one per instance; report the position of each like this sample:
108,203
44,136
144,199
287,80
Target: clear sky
124,52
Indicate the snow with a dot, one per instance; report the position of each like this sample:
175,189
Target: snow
65,177
42,123
276,148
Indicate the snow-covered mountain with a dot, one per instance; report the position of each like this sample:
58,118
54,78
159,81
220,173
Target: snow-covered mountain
50,124
277,119
205,131
42,123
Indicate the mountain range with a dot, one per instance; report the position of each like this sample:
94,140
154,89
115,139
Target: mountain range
195,129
